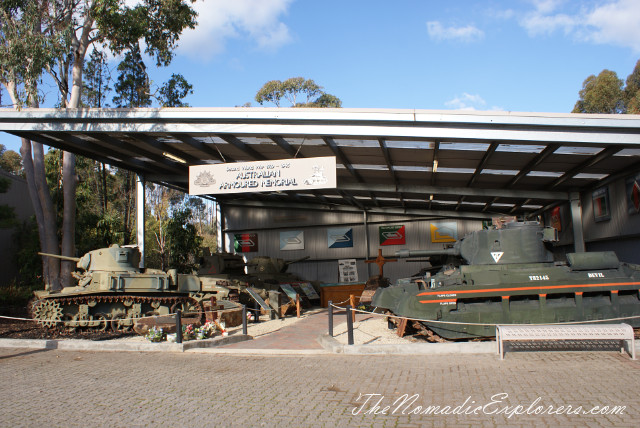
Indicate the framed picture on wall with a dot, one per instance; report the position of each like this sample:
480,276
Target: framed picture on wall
245,242
633,194
601,210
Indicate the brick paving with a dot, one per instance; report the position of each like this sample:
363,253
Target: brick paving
130,389
301,335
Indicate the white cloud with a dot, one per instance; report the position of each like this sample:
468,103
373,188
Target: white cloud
221,20
470,102
467,102
464,34
616,22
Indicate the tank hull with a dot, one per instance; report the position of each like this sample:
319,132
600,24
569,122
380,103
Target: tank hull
479,297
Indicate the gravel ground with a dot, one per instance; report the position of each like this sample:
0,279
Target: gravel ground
371,329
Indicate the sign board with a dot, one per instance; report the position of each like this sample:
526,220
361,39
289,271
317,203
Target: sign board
392,235
245,242
263,176
446,231
348,271
308,289
289,291
292,240
253,293
340,238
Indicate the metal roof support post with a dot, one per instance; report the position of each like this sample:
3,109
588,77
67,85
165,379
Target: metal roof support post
222,226
366,243
140,206
576,216
219,234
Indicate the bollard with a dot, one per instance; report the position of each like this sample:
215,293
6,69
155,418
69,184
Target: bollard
352,302
349,326
330,319
179,326
297,305
244,320
256,313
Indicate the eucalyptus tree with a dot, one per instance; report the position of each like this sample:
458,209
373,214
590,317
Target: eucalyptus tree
292,90
601,94
56,37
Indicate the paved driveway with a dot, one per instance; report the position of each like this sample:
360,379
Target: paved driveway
63,388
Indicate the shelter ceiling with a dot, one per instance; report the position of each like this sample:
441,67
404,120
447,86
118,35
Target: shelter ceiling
440,163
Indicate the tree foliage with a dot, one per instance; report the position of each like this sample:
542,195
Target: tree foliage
606,93
601,94
39,35
10,161
632,91
97,78
133,88
294,88
174,90
184,244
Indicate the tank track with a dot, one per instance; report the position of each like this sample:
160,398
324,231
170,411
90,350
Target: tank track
104,312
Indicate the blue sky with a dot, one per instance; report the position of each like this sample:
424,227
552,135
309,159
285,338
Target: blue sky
519,55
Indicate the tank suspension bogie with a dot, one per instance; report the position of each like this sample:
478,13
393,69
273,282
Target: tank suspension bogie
103,312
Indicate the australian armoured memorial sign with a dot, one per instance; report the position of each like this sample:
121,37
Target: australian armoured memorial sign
263,176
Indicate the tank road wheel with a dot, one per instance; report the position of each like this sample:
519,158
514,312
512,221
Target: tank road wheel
69,323
48,313
103,322
121,323
190,308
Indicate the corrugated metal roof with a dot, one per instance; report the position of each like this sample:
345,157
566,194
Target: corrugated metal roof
463,164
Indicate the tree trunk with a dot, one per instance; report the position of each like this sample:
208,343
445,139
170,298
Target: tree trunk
46,222
33,164
69,181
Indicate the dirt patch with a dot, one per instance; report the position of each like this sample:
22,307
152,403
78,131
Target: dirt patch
21,329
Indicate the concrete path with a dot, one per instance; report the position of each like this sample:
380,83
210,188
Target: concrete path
57,388
301,335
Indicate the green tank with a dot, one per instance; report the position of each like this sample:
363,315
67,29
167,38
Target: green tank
221,275
509,276
112,291
267,273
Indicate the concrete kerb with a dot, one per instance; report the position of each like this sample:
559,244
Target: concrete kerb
122,346
331,344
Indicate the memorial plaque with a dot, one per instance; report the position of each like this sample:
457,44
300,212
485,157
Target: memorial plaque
253,293
308,289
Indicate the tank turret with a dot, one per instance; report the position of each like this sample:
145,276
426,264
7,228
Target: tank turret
517,242
509,275
263,265
114,259
220,263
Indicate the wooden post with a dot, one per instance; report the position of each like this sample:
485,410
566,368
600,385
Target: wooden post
352,303
298,305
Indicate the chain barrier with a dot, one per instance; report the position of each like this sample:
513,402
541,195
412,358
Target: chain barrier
489,324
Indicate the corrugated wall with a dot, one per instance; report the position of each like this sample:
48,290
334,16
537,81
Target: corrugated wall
323,263
621,232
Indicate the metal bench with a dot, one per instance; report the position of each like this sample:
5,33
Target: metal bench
566,332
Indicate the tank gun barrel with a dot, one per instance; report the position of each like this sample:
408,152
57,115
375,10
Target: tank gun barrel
288,262
57,256
426,253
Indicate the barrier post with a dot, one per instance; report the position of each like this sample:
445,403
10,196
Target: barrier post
244,319
256,313
349,326
179,326
297,305
352,302
330,319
